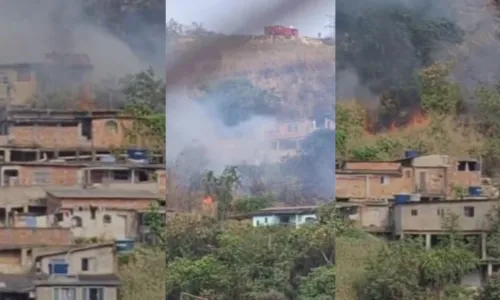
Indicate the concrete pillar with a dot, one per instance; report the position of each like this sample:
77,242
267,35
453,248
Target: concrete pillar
38,155
484,253
489,270
132,175
7,155
428,240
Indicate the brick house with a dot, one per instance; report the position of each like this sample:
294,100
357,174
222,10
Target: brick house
20,243
62,129
74,173
430,176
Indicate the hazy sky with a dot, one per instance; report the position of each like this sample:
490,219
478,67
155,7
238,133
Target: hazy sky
226,15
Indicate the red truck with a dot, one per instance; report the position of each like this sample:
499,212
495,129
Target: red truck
280,30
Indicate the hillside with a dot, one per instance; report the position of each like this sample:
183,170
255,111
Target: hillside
300,72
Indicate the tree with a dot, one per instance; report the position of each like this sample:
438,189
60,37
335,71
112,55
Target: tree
221,190
145,96
319,284
491,291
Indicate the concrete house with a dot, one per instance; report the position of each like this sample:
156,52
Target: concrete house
284,216
86,273
74,273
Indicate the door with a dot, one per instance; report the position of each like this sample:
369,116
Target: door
422,182
120,227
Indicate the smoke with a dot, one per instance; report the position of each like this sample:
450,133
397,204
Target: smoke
30,29
473,56
194,124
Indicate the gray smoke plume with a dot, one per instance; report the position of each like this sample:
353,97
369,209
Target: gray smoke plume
473,56
30,29
194,124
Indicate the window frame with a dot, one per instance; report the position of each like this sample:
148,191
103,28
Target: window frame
469,211
56,293
86,294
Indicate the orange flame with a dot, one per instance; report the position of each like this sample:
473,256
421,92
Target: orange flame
418,119
207,200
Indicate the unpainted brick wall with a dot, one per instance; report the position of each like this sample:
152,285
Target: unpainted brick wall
60,175
35,236
45,136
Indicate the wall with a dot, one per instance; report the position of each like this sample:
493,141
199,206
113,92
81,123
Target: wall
161,179
124,224
45,293
105,260
271,220
19,236
54,203
10,261
265,220
23,90
368,186
60,175
103,137
375,217
428,219
46,136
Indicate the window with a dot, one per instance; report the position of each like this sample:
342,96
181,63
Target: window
414,212
106,219
288,144
384,180
93,293
265,220
462,166
4,78
89,264
408,173
469,211
112,126
440,212
41,177
64,294
293,127
76,221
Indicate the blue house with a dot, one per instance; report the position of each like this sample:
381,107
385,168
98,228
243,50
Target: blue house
284,216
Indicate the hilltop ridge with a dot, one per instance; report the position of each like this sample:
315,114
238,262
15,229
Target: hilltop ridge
299,71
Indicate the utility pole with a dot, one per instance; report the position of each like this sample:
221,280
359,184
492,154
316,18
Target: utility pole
331,25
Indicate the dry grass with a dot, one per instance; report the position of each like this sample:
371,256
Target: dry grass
351,258
144,276
300,72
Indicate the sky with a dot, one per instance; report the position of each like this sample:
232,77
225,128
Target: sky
225,15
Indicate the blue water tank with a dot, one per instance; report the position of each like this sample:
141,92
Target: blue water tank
137,155
125,245
411,154
58,268
402,198
475,191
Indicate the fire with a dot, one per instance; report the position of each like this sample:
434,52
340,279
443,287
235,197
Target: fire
207,200
418,119
414,120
